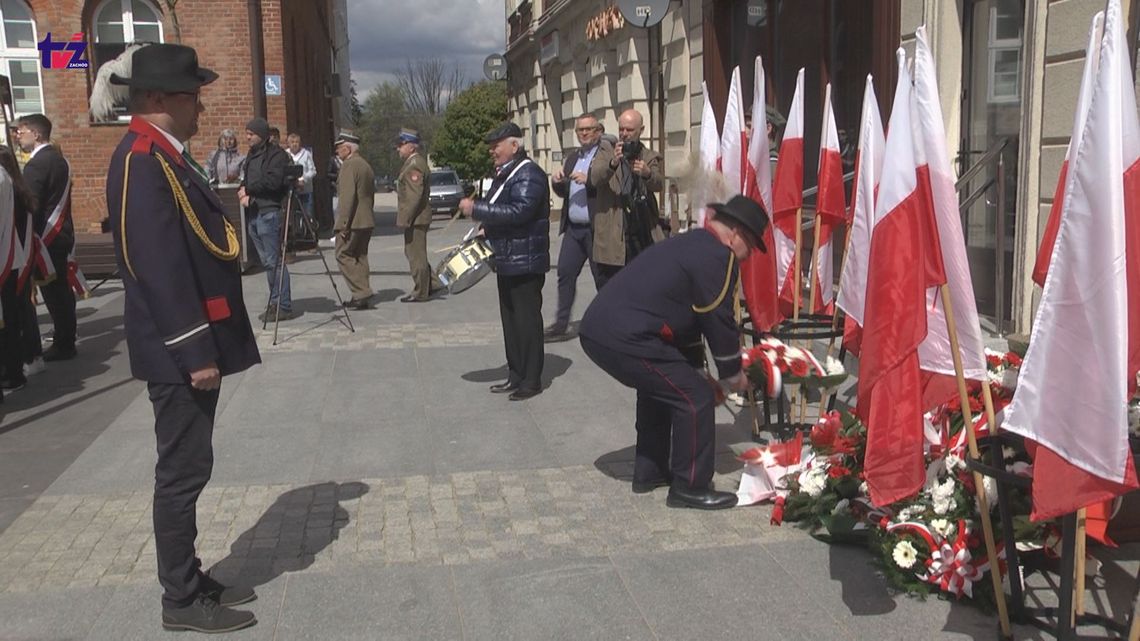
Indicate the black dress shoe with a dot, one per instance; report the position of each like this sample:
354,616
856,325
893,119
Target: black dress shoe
205,615
59,353
645,487
358,304
523,394
701,499
226,595
503,388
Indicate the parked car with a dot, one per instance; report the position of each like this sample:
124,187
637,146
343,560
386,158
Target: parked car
444,191
384,184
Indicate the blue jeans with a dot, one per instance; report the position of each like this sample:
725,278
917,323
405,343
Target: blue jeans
265,232
306,205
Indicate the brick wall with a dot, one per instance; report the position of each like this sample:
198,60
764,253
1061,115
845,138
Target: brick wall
219,30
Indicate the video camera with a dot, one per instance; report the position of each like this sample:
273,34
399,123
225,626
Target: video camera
294,171
631,149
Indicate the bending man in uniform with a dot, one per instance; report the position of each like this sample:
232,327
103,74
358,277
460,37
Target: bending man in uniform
640,328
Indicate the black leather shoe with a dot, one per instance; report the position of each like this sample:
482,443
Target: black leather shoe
59,353
226,596
205,615
523,394
358,304
701,499
503,388
554,333
645,487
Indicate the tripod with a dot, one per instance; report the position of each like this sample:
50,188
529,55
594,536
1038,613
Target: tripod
309,226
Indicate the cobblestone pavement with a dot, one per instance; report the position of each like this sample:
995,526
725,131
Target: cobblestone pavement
261,531
333,335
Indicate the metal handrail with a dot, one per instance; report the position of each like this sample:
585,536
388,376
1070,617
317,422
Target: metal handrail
811,191
995,155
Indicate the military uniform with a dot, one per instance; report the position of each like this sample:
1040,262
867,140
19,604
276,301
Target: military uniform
636,330
356,192
184,310
414,217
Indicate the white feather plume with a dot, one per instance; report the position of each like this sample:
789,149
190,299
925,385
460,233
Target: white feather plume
702,185
104,95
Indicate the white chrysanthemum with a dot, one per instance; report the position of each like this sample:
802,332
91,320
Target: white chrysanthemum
943,491
990,485
863,489
904,555
813,481
943,527
944,505
833,366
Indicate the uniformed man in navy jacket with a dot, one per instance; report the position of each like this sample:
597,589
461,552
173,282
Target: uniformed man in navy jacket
185,318
640,327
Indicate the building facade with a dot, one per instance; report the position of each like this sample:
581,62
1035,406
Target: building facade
285,60
997,62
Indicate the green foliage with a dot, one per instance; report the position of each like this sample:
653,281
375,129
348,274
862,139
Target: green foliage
381,117
469,116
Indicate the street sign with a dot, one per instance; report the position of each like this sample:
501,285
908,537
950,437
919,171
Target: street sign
272,85
643,13
495,67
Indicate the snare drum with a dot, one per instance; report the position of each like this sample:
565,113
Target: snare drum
465,265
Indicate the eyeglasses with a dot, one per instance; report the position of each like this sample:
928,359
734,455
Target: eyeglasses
584,130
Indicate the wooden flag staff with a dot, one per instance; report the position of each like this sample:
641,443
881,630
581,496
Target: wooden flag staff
811,307
972,444
751,393
825,396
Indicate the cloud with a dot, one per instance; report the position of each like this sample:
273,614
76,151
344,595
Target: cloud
383,34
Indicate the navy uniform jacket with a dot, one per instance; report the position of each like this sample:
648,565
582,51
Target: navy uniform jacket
184,306
676,291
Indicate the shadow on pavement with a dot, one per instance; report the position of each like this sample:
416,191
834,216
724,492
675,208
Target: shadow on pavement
851,566
553,367
287,538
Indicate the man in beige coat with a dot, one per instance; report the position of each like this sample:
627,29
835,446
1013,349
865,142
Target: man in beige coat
413,214
355,194
624,170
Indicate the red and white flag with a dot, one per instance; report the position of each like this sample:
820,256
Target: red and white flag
758,272
831,208
708,154
732,137
1073,390
1092,59
904,263
934,354
788,198
868,167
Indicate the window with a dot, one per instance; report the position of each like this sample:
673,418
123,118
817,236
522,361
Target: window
1005,52
19,58
119,23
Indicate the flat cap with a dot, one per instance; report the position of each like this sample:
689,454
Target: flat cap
346,136
505,130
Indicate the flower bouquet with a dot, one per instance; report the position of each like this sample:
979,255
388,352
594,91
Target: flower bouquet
772,365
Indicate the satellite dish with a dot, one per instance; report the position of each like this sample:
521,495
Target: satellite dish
643,13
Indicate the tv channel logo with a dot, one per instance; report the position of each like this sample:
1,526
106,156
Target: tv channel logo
63,54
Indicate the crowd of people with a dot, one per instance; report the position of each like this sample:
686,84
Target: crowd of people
187,325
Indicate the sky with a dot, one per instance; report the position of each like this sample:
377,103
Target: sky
383,34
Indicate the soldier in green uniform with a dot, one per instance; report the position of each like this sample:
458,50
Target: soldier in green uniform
414,214
355,195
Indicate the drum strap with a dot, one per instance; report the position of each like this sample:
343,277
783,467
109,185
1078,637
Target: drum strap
508,179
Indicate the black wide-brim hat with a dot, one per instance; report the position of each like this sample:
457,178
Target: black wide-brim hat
749,213
168,68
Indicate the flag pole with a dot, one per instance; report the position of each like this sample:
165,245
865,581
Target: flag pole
811,307
972,443
751,392
824,395
1079,569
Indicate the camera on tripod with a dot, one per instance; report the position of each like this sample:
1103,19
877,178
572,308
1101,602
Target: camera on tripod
631,149
294,171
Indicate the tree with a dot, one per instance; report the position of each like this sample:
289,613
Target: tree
354,104
381,116
173,11
428,84
469,116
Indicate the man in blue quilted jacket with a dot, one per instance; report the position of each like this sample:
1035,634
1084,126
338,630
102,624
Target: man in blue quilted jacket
516,223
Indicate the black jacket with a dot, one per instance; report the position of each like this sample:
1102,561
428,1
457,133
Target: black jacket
184,305
517,224
264,179
675,292
48,175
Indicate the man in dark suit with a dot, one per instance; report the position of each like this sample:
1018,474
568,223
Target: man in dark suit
49,177
642,328
185,318
583,184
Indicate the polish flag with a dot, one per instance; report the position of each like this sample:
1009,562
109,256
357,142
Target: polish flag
788,198
831,208
732,138
1092,59
904,262
868,167
758,271
934,354
1072,394
708,154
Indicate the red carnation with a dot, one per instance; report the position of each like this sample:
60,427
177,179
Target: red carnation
824,434
993,360
799,368
1012,360
837,471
